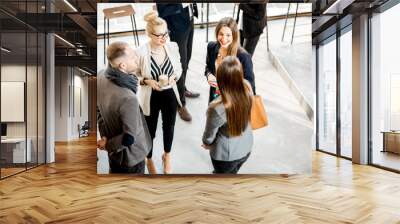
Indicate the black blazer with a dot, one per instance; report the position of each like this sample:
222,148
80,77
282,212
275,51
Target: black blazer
177,17
242,55
254,19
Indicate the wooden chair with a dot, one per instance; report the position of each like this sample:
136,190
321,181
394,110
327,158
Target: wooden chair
118,12
294,25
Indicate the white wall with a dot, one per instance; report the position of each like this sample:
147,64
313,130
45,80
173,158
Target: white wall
67,115
61,103
16,73
80,83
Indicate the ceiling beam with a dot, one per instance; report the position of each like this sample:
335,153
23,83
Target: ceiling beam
90,31
81,61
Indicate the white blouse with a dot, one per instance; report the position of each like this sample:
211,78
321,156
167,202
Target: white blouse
144,71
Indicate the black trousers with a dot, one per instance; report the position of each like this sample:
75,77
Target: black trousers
231,167
184,39
249,44
164,101
138,168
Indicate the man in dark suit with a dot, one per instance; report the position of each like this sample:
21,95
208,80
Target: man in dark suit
251,25
179,18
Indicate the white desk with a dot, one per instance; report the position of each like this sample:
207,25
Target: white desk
17,145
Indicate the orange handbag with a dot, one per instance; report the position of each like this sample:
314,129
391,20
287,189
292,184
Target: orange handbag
258,116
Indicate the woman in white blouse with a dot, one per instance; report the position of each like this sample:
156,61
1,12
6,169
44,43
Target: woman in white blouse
159,69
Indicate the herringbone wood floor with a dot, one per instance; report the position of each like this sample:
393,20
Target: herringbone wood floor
70,191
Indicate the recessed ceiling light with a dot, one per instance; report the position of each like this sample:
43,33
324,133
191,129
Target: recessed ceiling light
338,6
5,50
70,5
64,40
84,71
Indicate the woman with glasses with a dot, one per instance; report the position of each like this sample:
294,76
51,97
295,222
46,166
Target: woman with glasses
159,69
227,44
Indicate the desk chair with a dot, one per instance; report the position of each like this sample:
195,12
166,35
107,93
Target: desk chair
84,130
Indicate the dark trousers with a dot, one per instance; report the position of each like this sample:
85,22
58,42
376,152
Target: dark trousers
164,101
184,39
138,168
231,167
249,44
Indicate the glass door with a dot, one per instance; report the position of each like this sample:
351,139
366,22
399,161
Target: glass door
346,93
22,101
385,90
327,96
13,103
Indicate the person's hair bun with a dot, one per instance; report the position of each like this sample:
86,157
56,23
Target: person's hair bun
152,19
150,16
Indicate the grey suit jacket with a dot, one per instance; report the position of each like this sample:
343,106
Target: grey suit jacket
119,113
223,147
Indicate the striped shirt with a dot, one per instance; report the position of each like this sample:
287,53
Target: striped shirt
164,69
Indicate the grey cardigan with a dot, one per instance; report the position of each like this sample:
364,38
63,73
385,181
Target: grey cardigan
223,147
119,113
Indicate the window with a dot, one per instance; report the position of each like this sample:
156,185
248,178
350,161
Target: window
385,89
346,94
395,102
327,96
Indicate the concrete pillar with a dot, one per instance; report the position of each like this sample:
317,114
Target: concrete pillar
92,87
360,90
50,99
50,92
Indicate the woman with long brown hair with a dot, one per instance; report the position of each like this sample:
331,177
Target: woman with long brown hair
227,44
228,134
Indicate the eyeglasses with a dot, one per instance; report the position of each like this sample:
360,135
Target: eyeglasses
162,35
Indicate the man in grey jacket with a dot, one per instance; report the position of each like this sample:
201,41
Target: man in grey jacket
120,119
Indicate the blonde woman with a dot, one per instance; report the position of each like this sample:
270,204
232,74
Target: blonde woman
228,134
227,44
159,70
